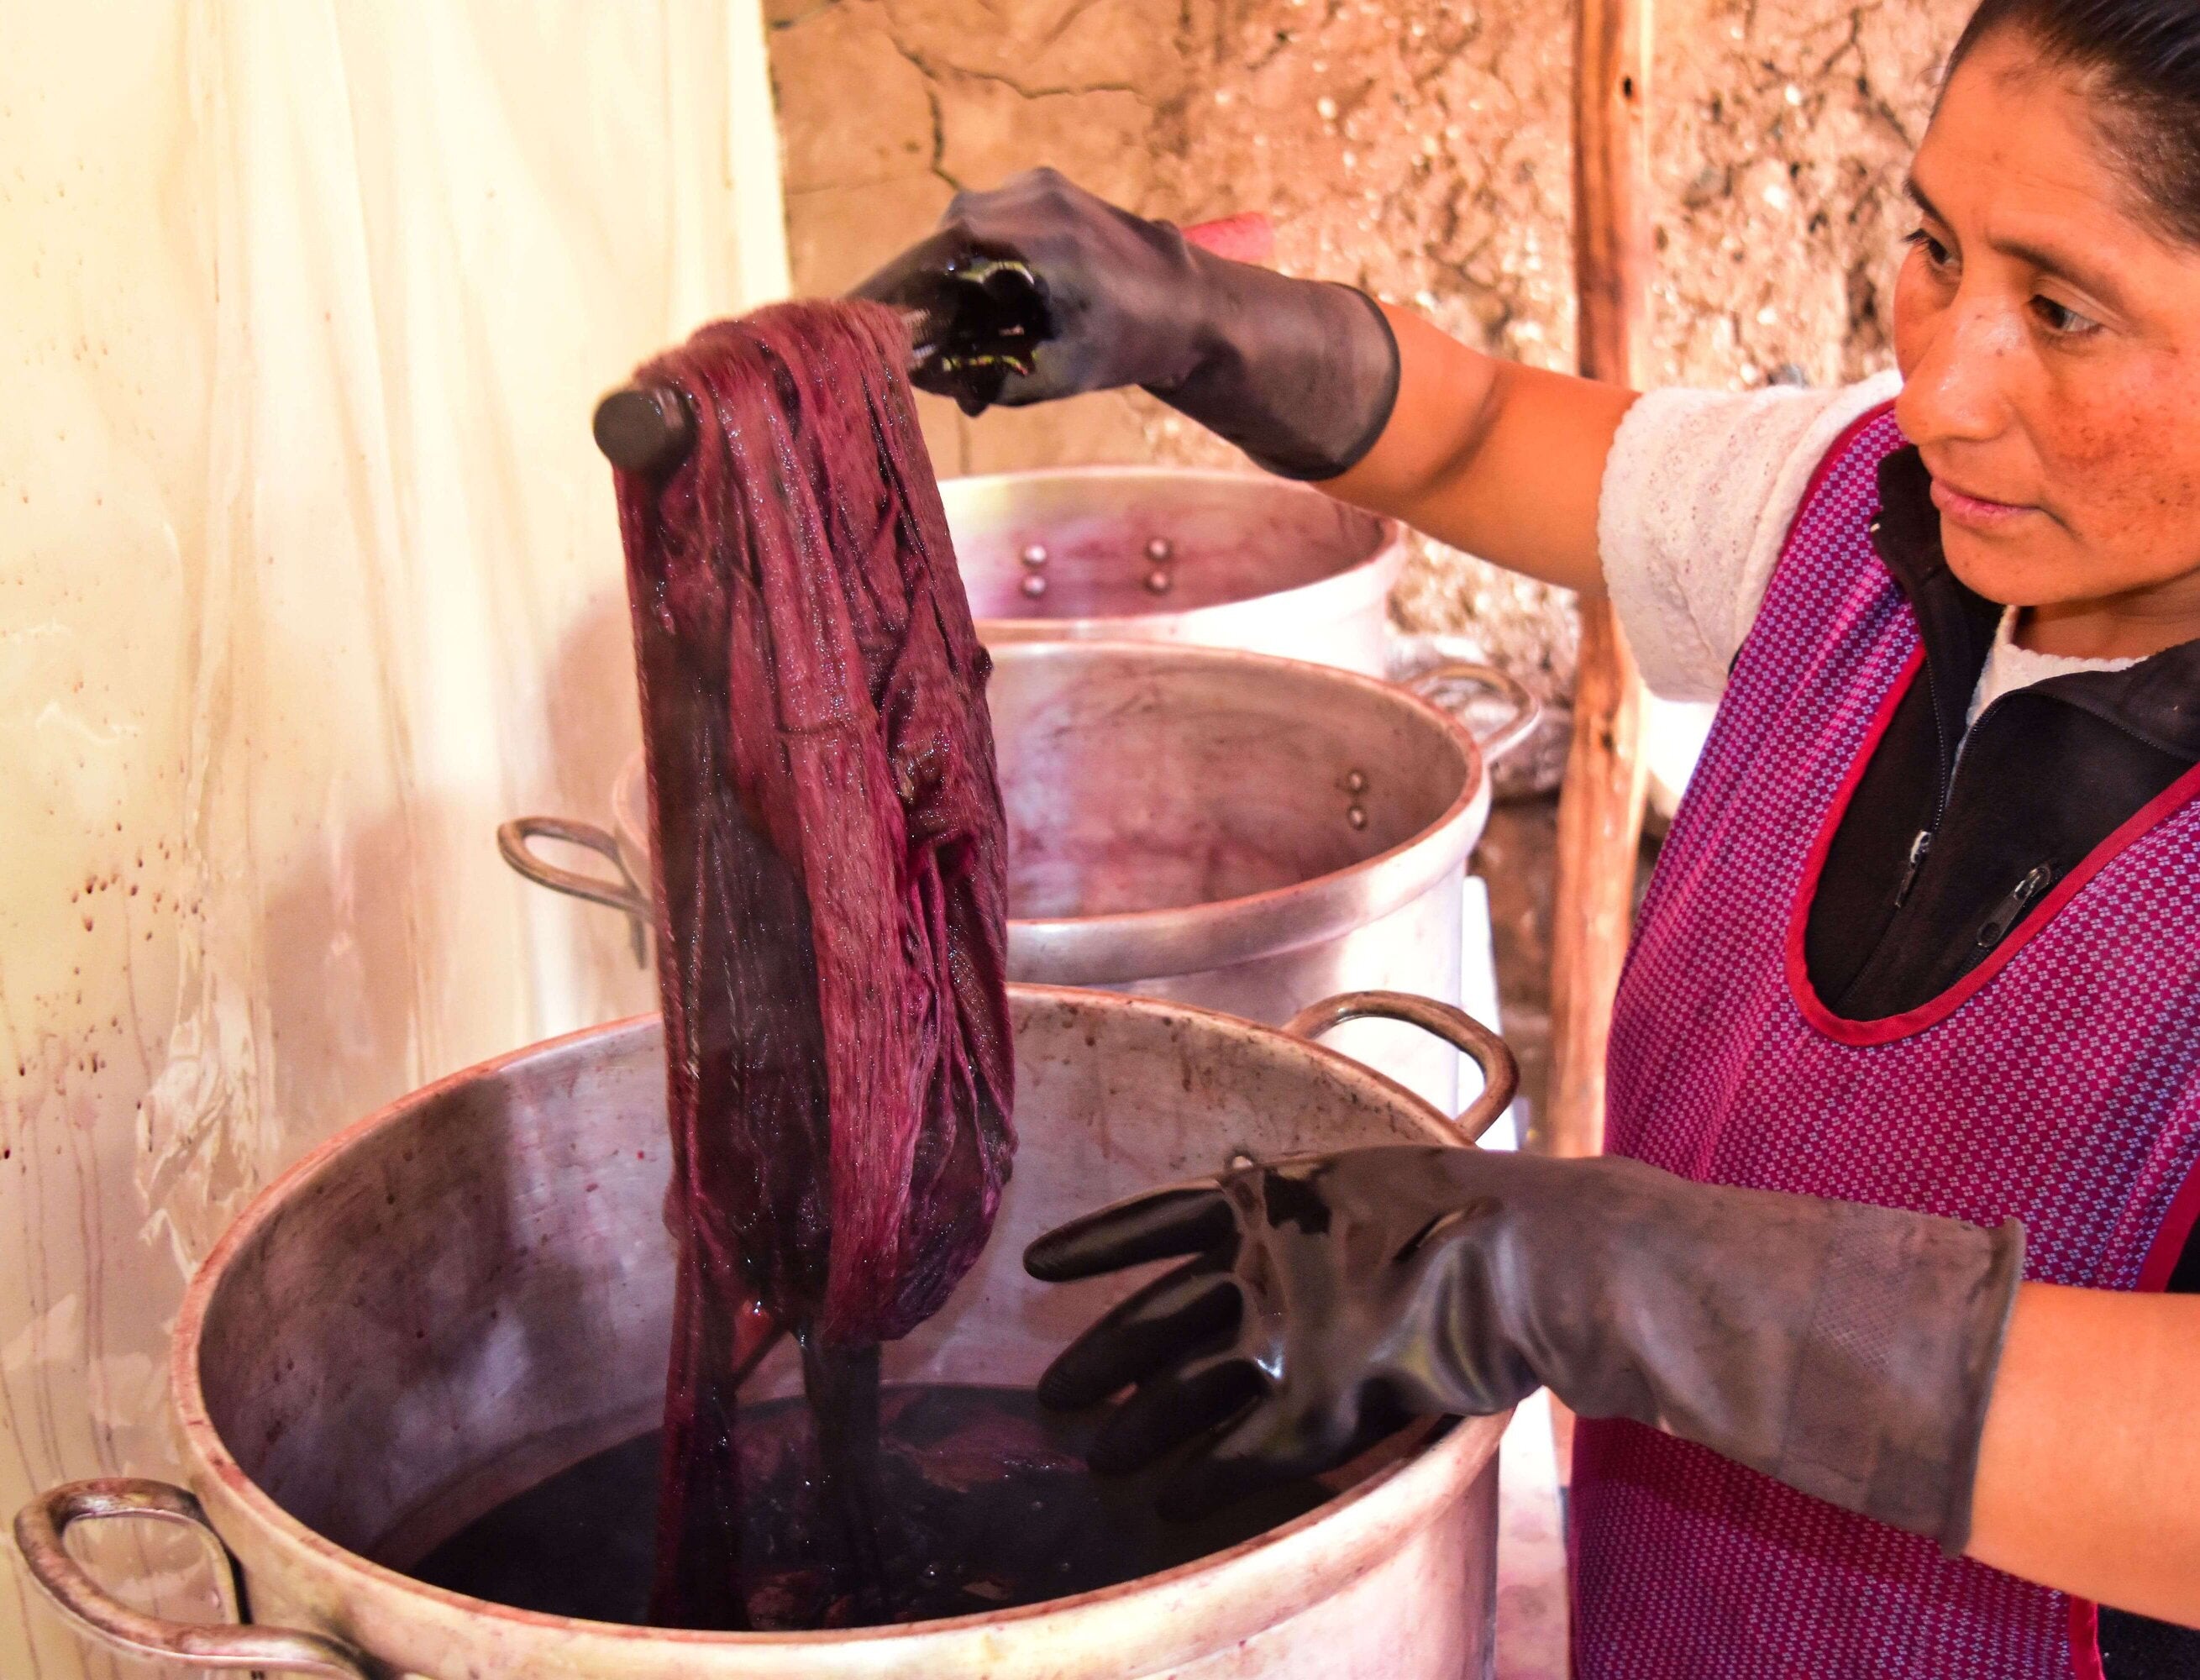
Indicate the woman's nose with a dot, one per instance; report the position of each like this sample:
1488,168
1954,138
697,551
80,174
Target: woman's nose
1957,390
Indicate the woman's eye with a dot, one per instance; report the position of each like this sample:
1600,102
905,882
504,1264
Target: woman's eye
2062,320
1937,255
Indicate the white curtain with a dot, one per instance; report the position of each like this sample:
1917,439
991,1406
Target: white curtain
308,577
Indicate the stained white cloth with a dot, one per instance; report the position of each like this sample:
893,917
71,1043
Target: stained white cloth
1699,492
312,579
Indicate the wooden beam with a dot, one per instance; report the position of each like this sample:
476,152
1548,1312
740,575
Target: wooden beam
1611,186
1601,804
1599,836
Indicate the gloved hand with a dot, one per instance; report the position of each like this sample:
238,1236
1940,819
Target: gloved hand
1847,1350
1300,374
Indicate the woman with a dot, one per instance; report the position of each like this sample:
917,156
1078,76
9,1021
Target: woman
1866,1314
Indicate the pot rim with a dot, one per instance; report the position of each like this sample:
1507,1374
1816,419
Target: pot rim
1308,1558
1151,944
1365,580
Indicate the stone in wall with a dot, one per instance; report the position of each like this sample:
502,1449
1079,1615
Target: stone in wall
1784,136
1419,148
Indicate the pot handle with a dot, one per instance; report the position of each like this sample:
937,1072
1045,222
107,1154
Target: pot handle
40,1526
1501,1075
513,838
1508,735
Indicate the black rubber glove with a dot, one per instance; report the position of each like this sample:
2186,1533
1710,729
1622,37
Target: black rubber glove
1847,1350
1300,374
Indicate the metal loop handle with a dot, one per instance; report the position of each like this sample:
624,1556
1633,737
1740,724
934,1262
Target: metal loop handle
622,894
1500,1075
1527,711
40,1526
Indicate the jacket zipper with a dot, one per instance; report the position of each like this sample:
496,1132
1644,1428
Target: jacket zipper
2005,914
1922,844
1918,848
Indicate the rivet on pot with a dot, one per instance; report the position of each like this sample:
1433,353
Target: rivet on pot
1160,548
1158,582
1036,554
1034,586
1357,816
1355,782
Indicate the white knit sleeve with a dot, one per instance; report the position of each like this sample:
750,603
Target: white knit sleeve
1699,491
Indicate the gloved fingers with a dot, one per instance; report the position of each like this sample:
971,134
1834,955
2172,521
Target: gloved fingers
930,274
1044,384
1159,1225
1205,1485
1170,1410
1260,1448
1279,1440
1266,1446
973,389
1043,194
1140,1334
1027,350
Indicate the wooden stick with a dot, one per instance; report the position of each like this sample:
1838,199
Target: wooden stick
1599,835
1612,259
1601,804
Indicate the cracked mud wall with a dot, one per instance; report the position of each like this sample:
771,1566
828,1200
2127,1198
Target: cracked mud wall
1417,148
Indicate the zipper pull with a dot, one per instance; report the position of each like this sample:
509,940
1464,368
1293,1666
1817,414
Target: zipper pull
1918,848
2005,914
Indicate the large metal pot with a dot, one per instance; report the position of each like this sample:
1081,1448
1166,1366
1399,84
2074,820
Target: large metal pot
1225,559
1222,559
471,1291
1224,828
1217,559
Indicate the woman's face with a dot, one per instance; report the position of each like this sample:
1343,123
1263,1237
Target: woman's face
2049,337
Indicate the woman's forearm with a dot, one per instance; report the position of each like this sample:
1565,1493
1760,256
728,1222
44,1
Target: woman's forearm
2089,1474
1502,461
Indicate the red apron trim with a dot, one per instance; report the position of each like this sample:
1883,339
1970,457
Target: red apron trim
2169,1242
1888,1029
2086,1640
1831,459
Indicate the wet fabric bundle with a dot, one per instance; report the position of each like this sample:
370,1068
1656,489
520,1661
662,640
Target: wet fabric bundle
831,861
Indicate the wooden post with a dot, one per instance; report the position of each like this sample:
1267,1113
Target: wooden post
1601,804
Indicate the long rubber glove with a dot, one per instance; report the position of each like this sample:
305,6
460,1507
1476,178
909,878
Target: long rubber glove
1847,1350
1300,374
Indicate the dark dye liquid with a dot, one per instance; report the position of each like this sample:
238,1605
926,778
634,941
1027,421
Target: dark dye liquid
984,1504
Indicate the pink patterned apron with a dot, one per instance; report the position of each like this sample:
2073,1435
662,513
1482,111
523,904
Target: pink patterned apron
2058,1082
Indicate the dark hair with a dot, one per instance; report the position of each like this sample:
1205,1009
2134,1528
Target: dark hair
2143,56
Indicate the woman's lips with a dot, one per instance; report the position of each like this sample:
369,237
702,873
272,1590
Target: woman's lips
1976,511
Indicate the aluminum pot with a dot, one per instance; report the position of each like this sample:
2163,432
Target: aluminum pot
1224,828
1225,559
471,1291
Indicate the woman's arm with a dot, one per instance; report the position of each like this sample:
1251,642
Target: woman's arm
1504,462
2089,1472
1384,410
